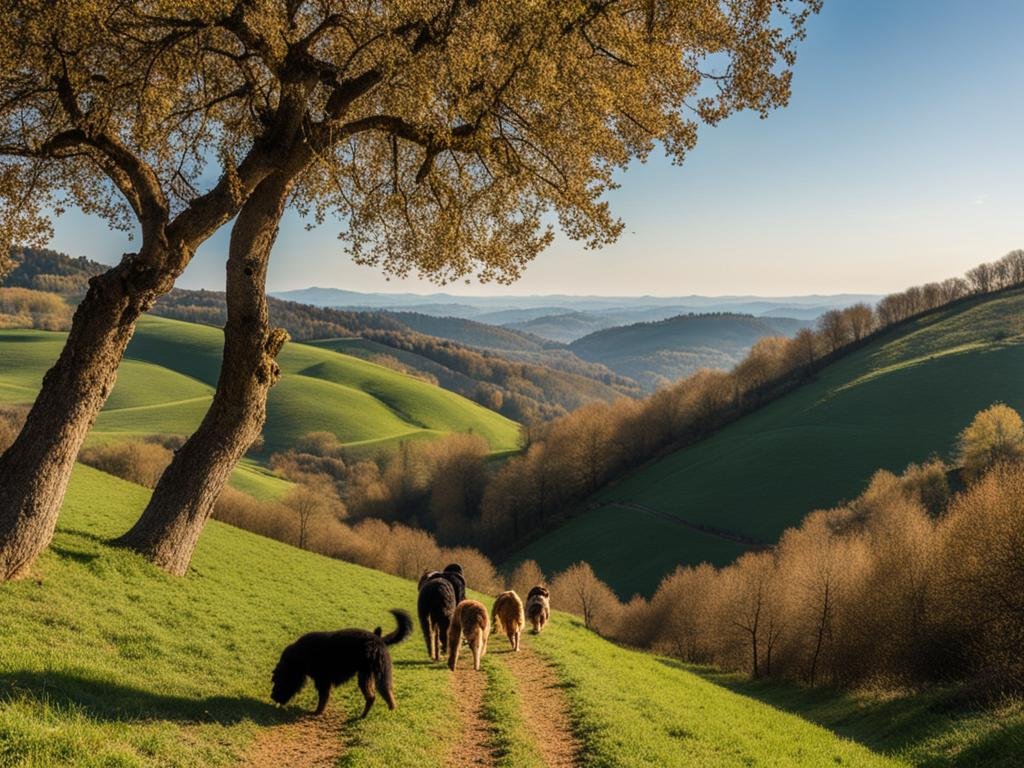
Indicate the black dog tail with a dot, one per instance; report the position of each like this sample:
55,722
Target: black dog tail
403,630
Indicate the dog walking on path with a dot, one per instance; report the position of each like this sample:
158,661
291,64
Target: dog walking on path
333,658
471,621
509,617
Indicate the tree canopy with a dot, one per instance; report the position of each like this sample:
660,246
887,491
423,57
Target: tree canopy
444,134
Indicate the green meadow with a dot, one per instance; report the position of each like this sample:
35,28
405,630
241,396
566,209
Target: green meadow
901,399
107,661
169,374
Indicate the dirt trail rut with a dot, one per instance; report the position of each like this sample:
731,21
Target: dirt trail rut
545,709
474,744
308,742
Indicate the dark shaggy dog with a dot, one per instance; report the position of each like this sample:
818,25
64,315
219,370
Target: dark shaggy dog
538,608
435,605
333,658
453,572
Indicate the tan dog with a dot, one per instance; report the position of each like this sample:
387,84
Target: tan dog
508,616
470,620
538,608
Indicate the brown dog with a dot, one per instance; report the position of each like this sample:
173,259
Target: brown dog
470,620
508,616
538,608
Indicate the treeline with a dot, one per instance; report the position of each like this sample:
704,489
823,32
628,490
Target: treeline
41,269
27,308
311,515
566,460
521,390
905,585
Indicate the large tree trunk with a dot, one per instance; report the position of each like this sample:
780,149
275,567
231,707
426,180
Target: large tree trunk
169,528
35,470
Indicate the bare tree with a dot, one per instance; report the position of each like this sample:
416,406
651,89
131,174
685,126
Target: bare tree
834,329
860,319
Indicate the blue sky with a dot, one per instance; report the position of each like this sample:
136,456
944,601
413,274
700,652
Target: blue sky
899,160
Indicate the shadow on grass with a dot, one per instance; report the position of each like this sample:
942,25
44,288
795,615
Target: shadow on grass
893,725
419,663
83,558
112,702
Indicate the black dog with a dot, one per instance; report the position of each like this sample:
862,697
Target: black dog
435,606
333,658
453,573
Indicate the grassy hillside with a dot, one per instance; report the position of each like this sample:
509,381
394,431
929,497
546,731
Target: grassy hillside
105,661
473,333
168,377
899,400
524,378
657,353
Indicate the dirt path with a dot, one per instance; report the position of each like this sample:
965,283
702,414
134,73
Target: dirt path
468,686
308,742
545,709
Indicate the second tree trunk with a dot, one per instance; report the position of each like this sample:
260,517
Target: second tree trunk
183,500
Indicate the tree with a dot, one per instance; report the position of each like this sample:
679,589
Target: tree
861,320
982,278
525,577
578,590
995,435
1014,262
805,350
442,134
748,601
459,478
102,108
834,329
311,500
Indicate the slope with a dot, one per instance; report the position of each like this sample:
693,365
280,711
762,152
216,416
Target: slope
898,400
168,377
105,661
656,353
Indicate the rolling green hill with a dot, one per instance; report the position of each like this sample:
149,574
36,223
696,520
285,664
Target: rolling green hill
105,661
898,400
167,379
658,353
473,333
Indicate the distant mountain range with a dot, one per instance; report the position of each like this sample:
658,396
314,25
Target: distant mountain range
565,318
658,353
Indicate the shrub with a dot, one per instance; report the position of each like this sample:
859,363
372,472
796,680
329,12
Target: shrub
996,435
135,461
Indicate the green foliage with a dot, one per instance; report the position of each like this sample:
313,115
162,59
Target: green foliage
896,401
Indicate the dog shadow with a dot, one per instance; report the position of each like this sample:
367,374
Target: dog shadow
408,663
106,701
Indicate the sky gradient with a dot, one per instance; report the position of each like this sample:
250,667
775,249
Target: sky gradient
899,160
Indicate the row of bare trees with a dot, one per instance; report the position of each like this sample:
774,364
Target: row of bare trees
906,584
